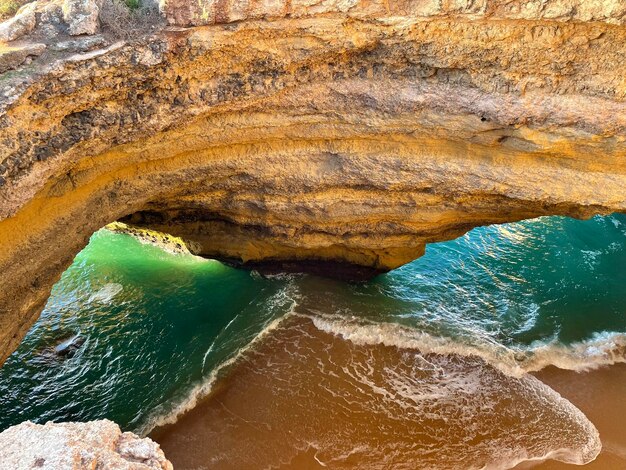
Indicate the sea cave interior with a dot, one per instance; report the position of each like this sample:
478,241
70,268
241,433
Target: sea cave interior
320,234
492,349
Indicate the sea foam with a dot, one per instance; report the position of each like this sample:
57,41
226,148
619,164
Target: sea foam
168,413
600,350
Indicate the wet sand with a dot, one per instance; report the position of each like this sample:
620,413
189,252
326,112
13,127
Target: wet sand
601,395
305,399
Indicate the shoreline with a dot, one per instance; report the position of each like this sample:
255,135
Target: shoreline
599,394
228,421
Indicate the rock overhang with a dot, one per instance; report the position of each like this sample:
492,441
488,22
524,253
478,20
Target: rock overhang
332,139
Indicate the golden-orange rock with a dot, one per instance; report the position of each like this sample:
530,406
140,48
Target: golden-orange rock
324,140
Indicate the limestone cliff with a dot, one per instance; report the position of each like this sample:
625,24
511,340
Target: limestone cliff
78,446
316,134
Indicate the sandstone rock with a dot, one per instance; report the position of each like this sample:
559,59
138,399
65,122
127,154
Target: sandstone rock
610,11
20,25
313,139
180,12
202,12
78,446
14,56
81,16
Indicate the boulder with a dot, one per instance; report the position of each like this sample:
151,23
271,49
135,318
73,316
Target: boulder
81,16
78,446
20,25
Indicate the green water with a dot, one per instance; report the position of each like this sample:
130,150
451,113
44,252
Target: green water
148,318
156,326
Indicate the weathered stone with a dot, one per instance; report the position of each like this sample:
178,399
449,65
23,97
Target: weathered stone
11,57
320,142
203,12
85,44
20,25
51,21
78,446
81,16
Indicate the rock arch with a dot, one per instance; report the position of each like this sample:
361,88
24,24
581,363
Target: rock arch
317,141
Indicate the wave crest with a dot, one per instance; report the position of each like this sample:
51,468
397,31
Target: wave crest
602,349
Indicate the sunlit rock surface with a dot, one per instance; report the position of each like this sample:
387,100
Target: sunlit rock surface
81,16
78,446
21,24
202,12
330,136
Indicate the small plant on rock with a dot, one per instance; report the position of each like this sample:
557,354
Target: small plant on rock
8,8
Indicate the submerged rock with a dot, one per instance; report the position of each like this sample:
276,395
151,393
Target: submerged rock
68,446
68,347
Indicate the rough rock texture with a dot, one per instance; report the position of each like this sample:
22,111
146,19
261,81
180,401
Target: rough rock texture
21,24
81,16
203,12
327,141
78,446
11,57
84,44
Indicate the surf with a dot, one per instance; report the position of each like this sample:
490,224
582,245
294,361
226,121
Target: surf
172,345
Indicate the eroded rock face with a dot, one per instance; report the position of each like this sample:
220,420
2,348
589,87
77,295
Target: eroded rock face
78,446
203,12
331,140
13,56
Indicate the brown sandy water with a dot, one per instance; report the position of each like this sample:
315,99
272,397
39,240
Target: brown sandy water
601,395
304,398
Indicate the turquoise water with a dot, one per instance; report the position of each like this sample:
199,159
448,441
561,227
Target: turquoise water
148,318
157,326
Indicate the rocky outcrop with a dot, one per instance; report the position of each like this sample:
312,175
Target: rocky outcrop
81,16
13,56
21,24
328,141
78,446
164,241
203,12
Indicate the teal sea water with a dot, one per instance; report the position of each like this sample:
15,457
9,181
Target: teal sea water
154,330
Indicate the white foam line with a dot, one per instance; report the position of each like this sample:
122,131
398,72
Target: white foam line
219,335
603,349
202,389
560,455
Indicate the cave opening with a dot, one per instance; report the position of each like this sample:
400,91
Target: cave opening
141,331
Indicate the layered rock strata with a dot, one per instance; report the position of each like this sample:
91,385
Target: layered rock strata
329,141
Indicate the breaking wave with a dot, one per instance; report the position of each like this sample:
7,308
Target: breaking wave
365,404
169,412
602,349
